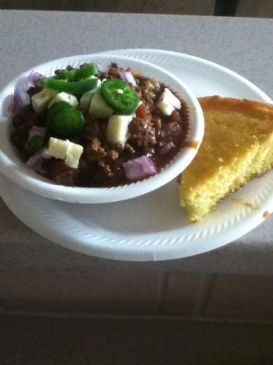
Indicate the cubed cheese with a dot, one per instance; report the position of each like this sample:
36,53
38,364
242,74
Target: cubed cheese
63,96
98,106
41,100
73,155
168,102
117,128
57,148
65,150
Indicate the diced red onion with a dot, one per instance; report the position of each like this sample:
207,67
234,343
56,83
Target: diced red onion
34,78
167,148
139,168
35,162
21,97
37,131
127,76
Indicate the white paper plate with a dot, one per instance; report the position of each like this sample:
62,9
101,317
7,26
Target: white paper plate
154,227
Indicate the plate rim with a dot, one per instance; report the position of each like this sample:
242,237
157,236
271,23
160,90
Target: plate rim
224,69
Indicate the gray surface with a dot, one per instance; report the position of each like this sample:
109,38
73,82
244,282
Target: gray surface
244,45
29,38
50,341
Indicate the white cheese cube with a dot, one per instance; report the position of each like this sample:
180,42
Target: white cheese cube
73,155
65,150
117,128
57,148
98,106
168,102
41,100
63,96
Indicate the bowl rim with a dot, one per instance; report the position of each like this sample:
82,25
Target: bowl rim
33,182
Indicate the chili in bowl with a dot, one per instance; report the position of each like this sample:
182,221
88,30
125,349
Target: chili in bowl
97,129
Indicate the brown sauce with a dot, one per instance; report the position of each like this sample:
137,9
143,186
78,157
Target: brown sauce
191,144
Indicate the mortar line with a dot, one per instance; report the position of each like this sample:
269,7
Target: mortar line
163,291
204,294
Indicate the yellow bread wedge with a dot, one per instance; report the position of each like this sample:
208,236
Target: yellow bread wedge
237,146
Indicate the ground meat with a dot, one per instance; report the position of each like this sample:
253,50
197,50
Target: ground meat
112,155
25,119
149,90
105,168
129,149
113,70
95,151
59,172
22,123
170,132
175,116
91,130
142,133
156,122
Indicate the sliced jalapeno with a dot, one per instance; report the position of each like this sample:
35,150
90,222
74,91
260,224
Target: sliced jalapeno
56,108
119,96
63,121
76,88
83,72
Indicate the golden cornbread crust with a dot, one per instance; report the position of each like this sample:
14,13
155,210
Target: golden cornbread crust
237,146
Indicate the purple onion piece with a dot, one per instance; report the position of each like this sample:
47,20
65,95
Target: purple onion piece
35,162
34,79
167,148
128,77
21,97
139,168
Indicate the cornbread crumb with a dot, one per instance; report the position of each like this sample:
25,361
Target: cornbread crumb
266,214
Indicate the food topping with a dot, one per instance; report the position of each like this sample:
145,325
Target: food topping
139,168
72,87
117,128
87,127
167,102
64,150
84,72
64,121
118,94
63,96
34,144
98,106
41,100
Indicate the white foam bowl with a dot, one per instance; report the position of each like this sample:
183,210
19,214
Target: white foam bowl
12,167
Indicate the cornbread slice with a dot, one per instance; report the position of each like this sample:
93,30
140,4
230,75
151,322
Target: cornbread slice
237,146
